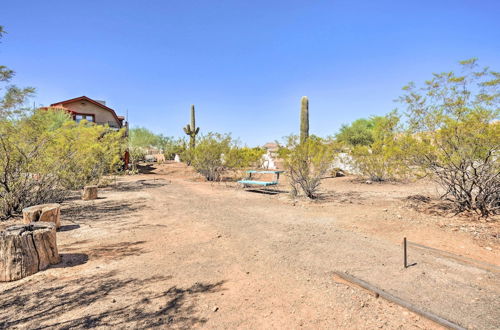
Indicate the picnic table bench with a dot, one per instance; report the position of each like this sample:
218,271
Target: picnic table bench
248,181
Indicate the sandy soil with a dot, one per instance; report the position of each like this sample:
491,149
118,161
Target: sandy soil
165,249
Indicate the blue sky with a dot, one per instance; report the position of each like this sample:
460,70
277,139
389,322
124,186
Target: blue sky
244,64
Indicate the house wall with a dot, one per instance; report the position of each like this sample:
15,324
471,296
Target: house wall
101,115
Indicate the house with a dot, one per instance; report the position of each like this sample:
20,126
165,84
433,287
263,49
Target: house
95,111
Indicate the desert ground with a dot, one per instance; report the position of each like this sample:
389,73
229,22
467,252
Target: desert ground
166,249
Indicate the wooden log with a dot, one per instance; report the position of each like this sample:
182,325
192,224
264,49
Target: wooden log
43,212
27,249
89,192
403,303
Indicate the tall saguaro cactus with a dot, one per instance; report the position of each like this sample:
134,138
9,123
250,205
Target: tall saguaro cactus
304,119
192,130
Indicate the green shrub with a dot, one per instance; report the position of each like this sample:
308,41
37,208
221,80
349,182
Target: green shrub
47,153
244,157
359,133
208,156
307,163
382,159
215,153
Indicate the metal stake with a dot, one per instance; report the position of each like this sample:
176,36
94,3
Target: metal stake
405,255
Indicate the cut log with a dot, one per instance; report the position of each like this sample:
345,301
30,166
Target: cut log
27,249
89,192
43,212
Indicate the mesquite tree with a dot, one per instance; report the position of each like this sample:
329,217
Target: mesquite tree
453,120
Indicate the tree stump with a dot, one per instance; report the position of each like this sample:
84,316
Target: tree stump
89,192
44,213
27,249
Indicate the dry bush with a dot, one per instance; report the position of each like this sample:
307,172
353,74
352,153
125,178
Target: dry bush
307,163
455,136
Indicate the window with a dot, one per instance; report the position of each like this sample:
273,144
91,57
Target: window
79,118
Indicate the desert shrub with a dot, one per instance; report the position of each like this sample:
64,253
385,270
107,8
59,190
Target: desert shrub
46,153
382,157
139,140
244,157
172,147
88,152
208,157
453,122
307,163
216,153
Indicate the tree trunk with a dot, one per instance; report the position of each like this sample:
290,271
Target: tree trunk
89,192
27,249
43,212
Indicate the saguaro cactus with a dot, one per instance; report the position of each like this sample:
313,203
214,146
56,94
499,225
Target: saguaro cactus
304,119
192,130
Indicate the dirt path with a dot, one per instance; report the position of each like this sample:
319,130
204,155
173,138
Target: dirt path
159,251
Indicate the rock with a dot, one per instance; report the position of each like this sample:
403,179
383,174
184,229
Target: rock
44,213
215,309
27,249
488,248
89,193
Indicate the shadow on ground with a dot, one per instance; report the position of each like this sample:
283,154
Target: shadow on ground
266,191
114,251
71,260
103,300
146,168
114,211
68,227
139,185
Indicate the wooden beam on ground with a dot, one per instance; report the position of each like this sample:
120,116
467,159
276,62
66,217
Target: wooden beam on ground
351,280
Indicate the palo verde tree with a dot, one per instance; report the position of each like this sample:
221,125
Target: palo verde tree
375,146
454,123
45,154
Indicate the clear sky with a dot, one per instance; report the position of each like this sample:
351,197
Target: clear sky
244,64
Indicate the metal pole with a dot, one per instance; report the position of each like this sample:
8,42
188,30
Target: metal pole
404,253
